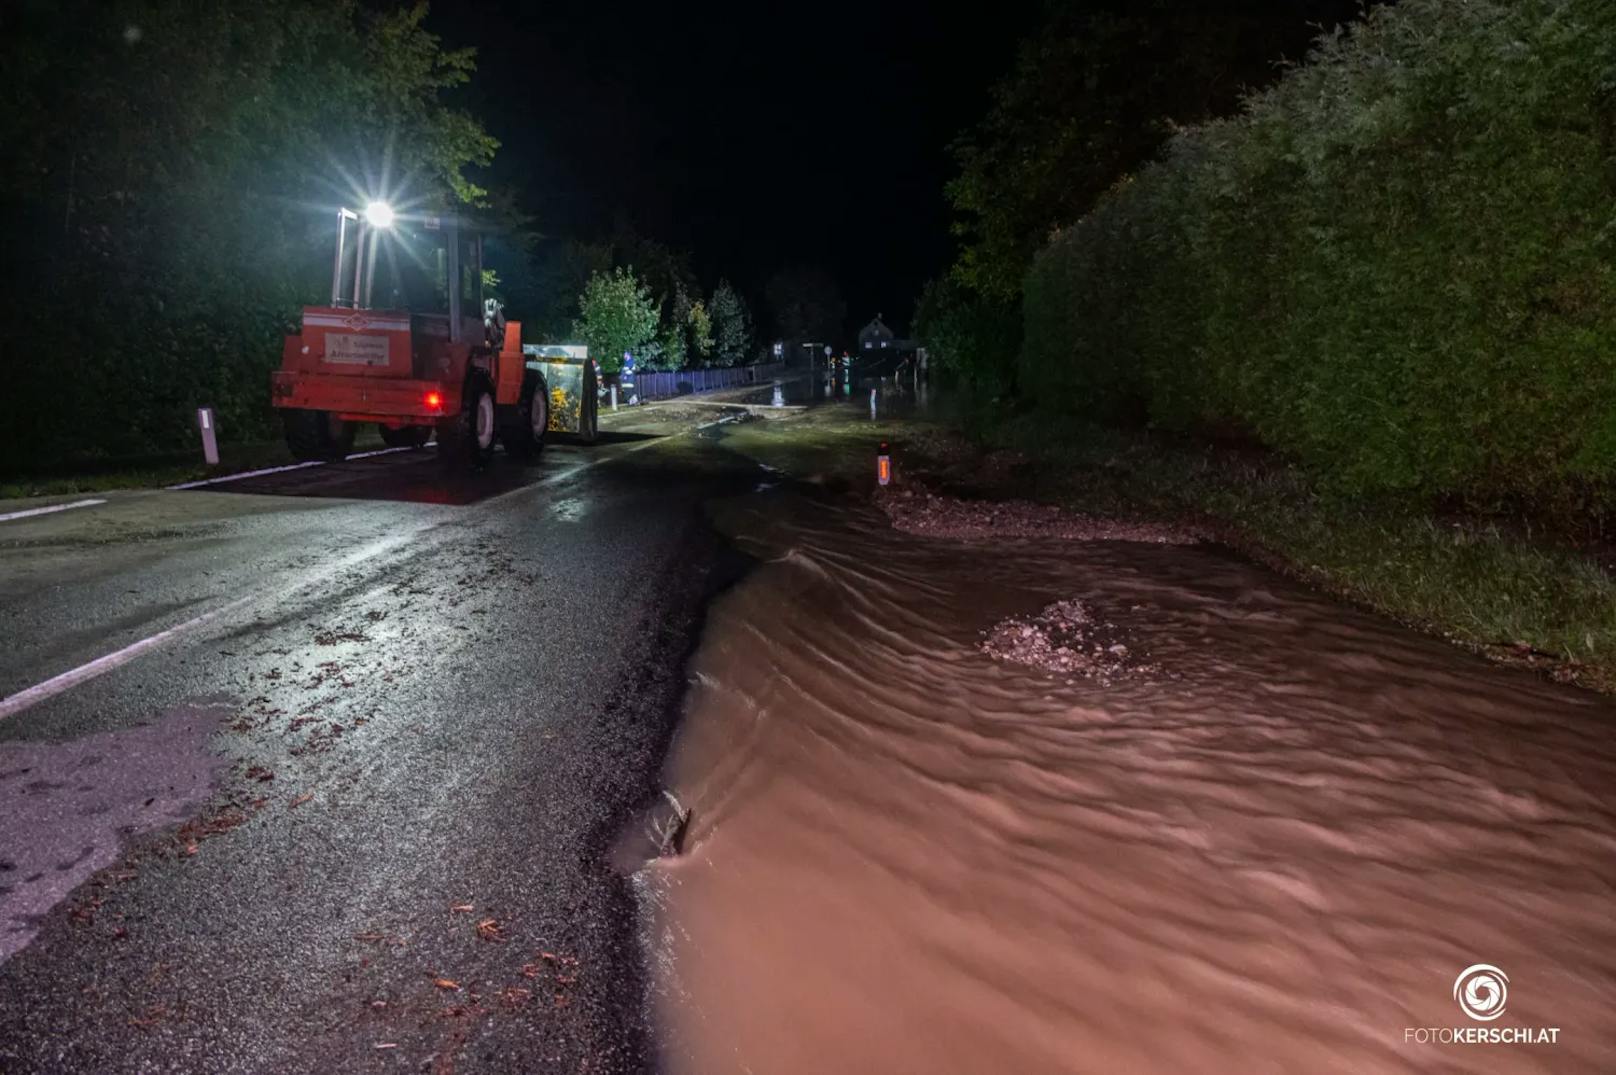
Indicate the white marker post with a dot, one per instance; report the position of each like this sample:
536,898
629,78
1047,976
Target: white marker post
614,397
210,439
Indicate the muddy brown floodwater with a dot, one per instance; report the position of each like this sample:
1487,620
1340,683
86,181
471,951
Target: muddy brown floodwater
1273,848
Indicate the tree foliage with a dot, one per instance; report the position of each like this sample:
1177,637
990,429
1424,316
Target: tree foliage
672,349
806,303
617,313
543,278
170,178
686,336
1398,264
700,326
666,271
1091,96
560,271
731,326
969,339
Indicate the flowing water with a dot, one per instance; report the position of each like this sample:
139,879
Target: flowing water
1272,850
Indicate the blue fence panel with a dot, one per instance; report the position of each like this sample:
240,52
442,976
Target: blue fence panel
668,384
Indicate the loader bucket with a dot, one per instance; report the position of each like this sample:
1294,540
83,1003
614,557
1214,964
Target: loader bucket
566,374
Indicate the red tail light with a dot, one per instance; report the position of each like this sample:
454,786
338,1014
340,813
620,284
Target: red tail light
434,401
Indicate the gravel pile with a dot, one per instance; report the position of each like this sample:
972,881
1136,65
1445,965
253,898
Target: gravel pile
1066,639
920,512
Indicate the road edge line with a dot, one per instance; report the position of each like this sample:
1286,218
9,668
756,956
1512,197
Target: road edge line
31,696
221,479
48,509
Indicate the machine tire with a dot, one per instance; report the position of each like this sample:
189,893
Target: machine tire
589,410
406,436
302,434
467,438
524,434
342,438
317,435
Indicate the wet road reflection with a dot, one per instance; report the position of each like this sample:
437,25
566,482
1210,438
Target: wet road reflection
421,477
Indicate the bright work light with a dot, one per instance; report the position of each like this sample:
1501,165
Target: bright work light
379,215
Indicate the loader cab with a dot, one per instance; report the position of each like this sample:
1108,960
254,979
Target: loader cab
430,267
407,344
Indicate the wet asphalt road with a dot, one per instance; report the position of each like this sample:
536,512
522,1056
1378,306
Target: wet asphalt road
359,819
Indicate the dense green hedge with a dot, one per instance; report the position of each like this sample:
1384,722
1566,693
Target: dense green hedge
970,340
1399,264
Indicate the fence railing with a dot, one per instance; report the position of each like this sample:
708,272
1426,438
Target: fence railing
684,382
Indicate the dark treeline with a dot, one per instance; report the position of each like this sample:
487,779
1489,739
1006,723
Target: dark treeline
167,197
166,192
1396,264
1091,96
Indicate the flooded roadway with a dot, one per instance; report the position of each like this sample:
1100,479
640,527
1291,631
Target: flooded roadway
1272,850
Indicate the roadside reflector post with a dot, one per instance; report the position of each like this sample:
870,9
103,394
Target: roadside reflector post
872,403
883,464
614,397
210,438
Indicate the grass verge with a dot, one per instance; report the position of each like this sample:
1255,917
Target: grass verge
157,471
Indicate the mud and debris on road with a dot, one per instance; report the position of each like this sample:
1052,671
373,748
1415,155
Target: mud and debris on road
914,509
1066,638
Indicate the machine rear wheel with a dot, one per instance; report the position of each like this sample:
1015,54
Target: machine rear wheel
317,435
467,438
406,436
524,434
589,410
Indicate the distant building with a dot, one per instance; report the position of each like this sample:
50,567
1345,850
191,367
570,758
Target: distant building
880,349
876,336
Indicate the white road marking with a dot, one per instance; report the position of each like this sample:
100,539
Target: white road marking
380,451
46,511
248,474
57,684
280,470
16,703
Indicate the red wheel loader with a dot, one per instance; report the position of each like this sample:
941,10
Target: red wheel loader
409,343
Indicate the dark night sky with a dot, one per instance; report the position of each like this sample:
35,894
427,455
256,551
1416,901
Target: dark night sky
753,135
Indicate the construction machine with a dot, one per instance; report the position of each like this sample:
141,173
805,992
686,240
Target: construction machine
409,342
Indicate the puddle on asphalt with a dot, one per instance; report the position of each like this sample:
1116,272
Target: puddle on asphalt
1274,848
67,809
